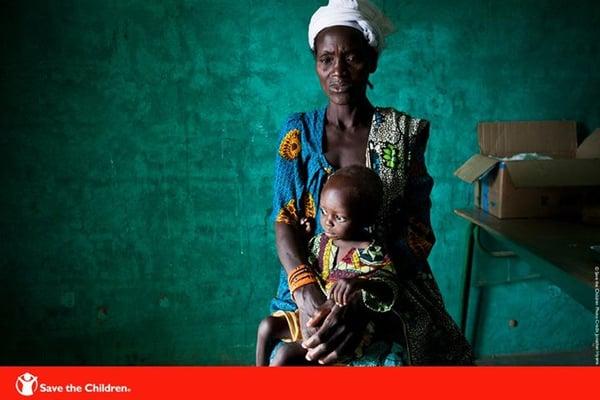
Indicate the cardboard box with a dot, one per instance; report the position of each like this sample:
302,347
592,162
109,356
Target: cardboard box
533,188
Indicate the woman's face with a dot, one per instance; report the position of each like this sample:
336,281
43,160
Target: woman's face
344,61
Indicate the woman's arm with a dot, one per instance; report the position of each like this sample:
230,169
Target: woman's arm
292,251
291,203
416,206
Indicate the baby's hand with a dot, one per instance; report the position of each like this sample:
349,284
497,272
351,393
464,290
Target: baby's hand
308,226
344,290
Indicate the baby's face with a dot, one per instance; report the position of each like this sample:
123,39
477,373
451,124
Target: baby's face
335,214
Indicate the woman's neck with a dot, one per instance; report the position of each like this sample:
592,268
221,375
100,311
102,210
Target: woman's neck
350,115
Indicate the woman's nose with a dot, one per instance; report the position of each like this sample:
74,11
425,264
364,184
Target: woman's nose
340,67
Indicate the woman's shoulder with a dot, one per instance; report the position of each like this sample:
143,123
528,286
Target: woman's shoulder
400,117
304,119
307,126
294,118
398,125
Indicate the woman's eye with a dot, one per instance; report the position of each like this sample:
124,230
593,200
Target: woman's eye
325,60
340,218
354,58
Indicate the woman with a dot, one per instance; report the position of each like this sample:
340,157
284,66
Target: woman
347,37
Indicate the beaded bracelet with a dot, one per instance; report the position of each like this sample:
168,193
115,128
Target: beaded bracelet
300,276
299,271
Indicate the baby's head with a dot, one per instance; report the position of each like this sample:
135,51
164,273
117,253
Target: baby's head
350,201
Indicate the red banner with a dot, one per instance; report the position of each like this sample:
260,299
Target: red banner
295,383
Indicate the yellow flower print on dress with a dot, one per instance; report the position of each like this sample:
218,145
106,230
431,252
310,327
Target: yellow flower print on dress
288,214
308,203
290,146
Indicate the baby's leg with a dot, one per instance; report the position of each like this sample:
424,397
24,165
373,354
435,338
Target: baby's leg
290,354
270,330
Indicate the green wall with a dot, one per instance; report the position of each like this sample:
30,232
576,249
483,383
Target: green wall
137,141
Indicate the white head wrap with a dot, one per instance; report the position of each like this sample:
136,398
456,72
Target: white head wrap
358,14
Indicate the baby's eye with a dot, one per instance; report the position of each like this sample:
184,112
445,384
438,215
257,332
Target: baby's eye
323,212
339,218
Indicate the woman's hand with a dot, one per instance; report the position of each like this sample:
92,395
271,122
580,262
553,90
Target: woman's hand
309,299
339,330
292,248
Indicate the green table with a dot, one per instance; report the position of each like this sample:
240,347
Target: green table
560,248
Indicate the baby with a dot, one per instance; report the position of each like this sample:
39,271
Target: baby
346,260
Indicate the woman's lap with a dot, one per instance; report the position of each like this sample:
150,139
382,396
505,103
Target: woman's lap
377,354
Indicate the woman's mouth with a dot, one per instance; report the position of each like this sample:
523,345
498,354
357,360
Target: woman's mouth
339,87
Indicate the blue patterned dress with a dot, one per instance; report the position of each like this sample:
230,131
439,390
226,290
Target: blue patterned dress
395,150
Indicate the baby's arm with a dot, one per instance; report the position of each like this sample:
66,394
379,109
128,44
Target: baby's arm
344,290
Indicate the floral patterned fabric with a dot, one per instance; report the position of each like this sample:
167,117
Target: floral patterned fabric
370,262
395,150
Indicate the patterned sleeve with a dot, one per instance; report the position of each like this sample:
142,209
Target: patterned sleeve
313,249
417,203
382,270
288,183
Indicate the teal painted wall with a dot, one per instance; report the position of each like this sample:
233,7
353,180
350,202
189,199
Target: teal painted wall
137,142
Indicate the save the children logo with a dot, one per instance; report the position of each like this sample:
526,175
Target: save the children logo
26,384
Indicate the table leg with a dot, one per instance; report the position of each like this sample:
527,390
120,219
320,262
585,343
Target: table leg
467,272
